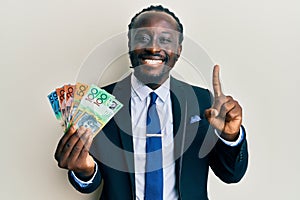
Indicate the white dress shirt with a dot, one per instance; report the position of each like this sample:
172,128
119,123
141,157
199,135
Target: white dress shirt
140,101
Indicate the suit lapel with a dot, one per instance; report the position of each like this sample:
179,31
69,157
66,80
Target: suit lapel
178,100
179,110
122,92
184,105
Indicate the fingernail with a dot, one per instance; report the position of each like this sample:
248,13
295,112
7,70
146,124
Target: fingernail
82,128
89,130
214,112
73,128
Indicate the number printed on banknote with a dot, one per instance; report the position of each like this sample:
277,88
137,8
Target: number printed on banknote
83,105
99,104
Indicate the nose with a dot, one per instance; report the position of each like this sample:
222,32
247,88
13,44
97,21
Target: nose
153,46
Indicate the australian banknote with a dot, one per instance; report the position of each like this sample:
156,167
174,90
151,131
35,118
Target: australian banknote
83,105
96,108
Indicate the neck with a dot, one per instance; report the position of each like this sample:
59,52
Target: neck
152,82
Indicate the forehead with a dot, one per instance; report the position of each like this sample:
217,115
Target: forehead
156,19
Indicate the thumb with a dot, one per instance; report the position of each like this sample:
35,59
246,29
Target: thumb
212,116
211,113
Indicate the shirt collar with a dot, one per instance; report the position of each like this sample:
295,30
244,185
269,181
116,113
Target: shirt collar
142,91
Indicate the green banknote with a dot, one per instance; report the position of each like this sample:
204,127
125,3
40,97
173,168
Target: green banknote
96,108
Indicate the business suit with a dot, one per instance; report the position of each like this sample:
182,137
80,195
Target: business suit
113,147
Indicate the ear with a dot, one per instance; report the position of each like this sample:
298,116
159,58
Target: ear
129,39
179,49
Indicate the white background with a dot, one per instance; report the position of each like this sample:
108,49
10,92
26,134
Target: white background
43,43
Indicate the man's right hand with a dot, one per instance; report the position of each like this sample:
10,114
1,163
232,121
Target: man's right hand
72,152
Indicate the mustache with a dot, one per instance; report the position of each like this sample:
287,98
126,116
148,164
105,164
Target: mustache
134,57
152,55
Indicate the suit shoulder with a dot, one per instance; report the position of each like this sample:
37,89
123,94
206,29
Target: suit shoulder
193,93
197,89
109,88
119,84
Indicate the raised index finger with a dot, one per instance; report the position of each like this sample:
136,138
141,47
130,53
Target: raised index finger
216,81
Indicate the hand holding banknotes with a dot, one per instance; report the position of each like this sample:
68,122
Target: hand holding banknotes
82,110
72,152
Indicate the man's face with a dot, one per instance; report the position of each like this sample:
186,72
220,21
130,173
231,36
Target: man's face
154,46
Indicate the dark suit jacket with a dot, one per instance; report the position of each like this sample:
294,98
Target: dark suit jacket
196,147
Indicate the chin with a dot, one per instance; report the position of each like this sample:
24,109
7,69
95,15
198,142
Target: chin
151,76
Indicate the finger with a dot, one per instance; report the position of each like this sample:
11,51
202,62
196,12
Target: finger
213,119
70,144
234,114
227,107
216,81
87,145
68,148
218,102
211,113
80,145
62,142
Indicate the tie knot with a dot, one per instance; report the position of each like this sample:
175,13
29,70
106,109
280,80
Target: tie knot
153,97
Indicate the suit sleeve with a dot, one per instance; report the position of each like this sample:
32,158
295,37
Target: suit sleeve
89,186
229,163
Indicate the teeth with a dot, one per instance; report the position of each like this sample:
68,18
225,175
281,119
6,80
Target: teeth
153,62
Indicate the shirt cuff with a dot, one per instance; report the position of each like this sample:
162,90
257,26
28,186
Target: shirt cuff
232,143
84,184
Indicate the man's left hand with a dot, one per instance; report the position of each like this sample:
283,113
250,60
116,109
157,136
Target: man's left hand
225,114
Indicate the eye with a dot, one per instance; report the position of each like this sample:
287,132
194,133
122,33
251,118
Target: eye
142,38
165,40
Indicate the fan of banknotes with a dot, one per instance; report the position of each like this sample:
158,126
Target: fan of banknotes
83,105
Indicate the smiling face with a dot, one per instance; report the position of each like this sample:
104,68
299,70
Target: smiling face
154,47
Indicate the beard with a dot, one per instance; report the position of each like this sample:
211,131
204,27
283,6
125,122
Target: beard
143,73
147,74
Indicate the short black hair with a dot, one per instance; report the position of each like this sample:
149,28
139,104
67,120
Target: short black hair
160,8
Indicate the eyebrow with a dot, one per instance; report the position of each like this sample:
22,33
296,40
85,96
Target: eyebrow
165,32
147,32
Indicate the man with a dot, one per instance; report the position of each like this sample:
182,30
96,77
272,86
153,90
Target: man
190,133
